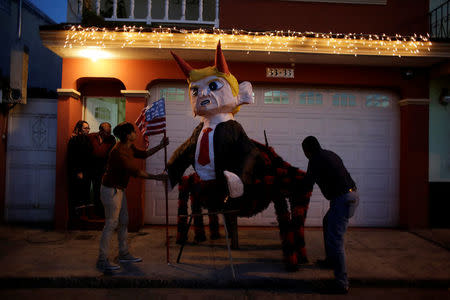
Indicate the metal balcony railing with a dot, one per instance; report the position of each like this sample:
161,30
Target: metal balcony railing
157,11
439,21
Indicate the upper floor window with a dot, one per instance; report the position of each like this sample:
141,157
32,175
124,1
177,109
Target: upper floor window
172,94
344,100
310,98
376,100
276,97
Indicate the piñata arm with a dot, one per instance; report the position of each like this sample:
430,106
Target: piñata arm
182,157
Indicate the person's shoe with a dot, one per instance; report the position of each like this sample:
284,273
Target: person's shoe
214,236
200,238
303,260
337,288
104,265
324,264
127,258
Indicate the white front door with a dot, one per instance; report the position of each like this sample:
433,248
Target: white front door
99,110
31,161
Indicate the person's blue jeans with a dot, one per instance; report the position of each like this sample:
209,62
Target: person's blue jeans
335,224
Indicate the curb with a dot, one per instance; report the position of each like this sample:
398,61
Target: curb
279,284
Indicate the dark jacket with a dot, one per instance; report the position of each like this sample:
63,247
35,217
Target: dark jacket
233,151
327,170
79,151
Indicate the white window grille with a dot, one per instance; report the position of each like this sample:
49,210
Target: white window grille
310,98
276,97
172,94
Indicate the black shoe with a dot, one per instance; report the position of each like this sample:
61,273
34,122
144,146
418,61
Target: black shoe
291,267
215,236
303,260
199,239
324,264
336,288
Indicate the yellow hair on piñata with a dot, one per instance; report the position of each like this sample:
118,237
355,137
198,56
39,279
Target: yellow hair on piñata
197,74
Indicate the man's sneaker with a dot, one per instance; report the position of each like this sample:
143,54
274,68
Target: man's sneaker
104,265
128,258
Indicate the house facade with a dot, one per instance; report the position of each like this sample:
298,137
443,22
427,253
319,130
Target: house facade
356,74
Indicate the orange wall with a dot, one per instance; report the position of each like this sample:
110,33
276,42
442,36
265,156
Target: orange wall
135,189
137,74
397,16
69,112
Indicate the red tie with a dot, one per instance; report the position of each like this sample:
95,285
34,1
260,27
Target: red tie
203,156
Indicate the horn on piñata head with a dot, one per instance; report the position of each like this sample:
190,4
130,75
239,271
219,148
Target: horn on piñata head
221,63
184,66
219,69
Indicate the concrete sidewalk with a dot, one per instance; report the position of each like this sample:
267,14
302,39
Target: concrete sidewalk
375,258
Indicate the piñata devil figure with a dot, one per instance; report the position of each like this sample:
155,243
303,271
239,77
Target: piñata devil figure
233,172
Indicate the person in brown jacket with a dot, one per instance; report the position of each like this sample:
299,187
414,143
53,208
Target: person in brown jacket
119,168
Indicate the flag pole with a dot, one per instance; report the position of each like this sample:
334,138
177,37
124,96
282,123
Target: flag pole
167,203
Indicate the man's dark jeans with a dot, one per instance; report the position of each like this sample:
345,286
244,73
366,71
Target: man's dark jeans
335,224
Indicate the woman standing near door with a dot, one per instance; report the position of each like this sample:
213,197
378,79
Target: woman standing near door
119,168
79,152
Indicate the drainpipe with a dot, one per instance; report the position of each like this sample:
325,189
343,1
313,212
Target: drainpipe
19,21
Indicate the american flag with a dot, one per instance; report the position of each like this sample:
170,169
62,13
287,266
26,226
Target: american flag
152,120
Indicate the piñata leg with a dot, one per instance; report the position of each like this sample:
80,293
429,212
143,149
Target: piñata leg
231,220
214,226
286,234
299,210
183,197
199,228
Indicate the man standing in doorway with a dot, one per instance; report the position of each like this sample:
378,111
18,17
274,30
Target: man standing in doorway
102,143
327,170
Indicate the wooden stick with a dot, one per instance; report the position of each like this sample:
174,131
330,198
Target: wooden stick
167,204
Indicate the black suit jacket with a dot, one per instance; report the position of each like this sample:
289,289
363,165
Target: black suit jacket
233,151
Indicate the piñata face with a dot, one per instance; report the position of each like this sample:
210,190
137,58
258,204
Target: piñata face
211,95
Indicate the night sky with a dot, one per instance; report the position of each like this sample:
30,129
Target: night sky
55,9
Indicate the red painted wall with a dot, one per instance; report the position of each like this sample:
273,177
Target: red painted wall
414,193
397,16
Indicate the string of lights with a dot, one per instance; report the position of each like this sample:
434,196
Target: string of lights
268,41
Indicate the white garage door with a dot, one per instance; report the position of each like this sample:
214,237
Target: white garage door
361,126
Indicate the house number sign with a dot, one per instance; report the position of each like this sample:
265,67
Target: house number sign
280,72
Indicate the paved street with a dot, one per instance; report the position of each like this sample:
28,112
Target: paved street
220,294
378,260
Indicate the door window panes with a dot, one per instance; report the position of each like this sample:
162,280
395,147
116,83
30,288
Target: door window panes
172,94
103,113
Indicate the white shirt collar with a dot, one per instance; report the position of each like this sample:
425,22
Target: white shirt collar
212,121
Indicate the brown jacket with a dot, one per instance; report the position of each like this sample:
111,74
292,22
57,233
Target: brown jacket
121,165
